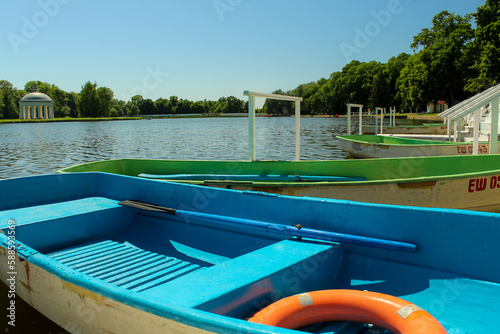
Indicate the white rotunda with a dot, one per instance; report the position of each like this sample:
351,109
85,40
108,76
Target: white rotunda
36,105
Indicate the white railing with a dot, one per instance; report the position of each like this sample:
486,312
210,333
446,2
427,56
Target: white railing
474,104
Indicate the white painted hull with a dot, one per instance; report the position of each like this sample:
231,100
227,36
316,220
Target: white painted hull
381,150
477,193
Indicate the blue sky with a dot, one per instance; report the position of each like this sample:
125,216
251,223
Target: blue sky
203,49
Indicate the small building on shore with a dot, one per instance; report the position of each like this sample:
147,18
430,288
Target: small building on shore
36,105
439,107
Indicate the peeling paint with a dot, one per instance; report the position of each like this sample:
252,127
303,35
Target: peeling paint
85,295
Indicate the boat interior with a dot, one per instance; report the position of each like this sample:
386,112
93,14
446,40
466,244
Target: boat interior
129,254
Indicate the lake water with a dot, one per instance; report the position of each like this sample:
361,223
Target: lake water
42,148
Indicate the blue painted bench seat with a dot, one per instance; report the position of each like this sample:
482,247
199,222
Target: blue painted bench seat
67,223
52,211
235,286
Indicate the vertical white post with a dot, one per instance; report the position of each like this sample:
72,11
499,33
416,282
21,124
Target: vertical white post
376,120
251,128
348,119
477,120
297,130
495,106
381,122
394,120
360,120
448,127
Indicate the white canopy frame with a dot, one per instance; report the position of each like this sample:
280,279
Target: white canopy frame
251,119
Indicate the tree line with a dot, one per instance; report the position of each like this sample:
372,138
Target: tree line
94,101
452,61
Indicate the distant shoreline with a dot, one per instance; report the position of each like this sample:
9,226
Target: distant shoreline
99,119
431,117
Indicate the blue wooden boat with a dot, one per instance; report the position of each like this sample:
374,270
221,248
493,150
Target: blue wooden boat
104,253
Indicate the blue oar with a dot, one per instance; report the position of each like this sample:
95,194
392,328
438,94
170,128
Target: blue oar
293,231
256,177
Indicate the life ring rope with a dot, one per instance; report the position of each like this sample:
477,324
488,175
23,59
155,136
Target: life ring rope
386,311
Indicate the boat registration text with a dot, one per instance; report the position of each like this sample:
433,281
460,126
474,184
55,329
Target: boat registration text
483,183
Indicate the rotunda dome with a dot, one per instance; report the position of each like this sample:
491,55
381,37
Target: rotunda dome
36,97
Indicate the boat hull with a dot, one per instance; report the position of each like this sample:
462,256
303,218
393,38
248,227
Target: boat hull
447,182
392,147
476,193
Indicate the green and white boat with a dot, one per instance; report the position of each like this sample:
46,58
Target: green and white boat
462,182
371,146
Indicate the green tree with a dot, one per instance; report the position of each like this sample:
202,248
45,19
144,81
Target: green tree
104,97
88,104
9,100
411,84
71,101
197,107
163,106
278,107
174,100
120,107
443,55
32,86
183,107
394,67
485,50
146,106
1,104
132,108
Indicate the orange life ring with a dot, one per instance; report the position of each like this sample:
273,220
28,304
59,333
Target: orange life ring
389,312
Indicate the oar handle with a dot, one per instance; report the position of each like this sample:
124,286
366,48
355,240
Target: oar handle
279,228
